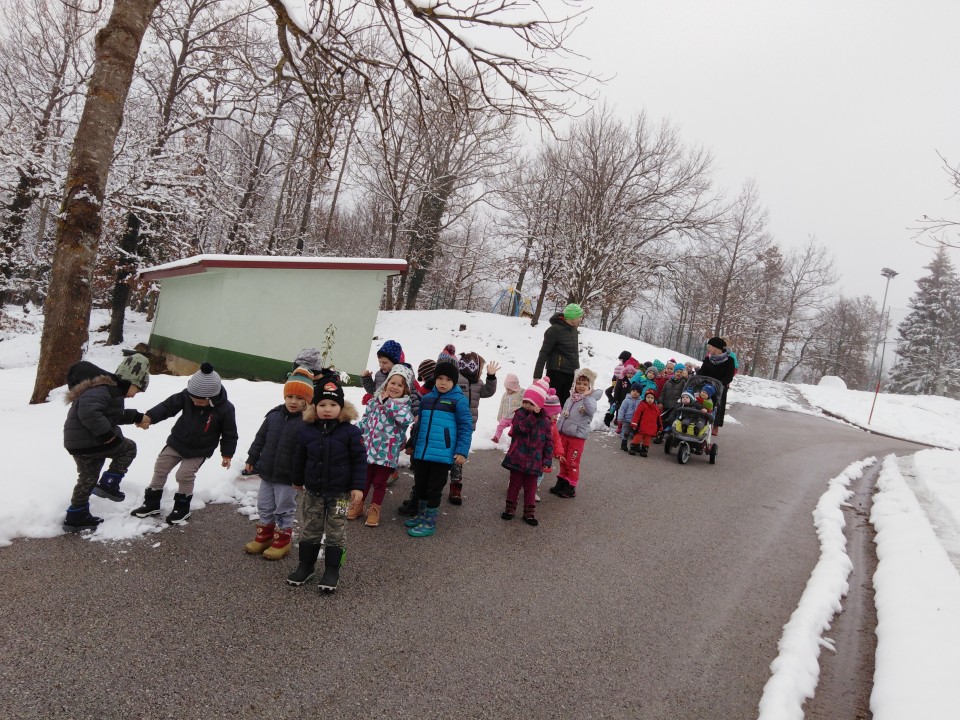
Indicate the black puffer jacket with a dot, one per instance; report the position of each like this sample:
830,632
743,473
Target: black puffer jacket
199,429
330,458
271,453
560,351
95,412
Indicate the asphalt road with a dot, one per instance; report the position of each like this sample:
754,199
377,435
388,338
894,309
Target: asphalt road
659,592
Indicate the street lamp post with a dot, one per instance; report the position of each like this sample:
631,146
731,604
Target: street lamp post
889,275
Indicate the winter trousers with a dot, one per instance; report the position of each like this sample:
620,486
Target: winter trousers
90,464
377,476
644,440
325,516
167,460
572,452
428,480
276,504
529,485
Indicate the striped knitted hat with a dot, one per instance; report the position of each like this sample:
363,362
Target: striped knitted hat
552,406
204,383
446,367
300,384
537,393
425,370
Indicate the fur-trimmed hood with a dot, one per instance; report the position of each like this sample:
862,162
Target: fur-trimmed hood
589,374
348,413
79,389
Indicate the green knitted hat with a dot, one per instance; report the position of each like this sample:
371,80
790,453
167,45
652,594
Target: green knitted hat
572,312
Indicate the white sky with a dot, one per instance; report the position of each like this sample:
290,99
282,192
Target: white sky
837,109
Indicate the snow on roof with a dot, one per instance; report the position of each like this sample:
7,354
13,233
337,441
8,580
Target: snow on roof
202,263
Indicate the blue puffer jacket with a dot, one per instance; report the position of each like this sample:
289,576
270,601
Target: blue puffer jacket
444,428
330,458
271,453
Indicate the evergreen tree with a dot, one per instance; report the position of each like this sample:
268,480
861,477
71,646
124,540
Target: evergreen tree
928,346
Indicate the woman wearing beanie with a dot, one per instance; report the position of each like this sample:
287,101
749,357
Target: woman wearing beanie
206,419
560,353
530,453
720,365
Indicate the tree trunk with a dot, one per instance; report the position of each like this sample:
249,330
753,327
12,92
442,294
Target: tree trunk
129,250
67,314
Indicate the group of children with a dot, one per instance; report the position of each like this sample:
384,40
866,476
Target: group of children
310,452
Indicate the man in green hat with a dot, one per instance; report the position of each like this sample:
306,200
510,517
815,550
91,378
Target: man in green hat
560,352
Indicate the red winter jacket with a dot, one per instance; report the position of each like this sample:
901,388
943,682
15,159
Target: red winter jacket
646,419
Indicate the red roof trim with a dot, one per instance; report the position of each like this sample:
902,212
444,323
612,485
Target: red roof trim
244,263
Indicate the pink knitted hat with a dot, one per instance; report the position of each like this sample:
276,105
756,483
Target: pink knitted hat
537,393
552,406
511,382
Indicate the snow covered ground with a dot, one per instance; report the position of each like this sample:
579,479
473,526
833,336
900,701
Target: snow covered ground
916,510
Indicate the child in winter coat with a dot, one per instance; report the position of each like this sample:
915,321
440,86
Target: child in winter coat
470,366
389,354
574,424
552,409
622,389
442,438
530,453
206,419
330,464
384,428
645,423
670,395
625,415
509,404
91,432
271,457
704,402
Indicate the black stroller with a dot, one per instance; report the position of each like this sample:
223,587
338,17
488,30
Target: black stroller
688,429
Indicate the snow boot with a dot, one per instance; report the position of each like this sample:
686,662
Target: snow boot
151,503
108,486
456,485
624,445
569,491
607,419
373,517
392,480
560,485
530,515
642,452
409,506
280,547
332,562
262,541
509,511
429,525
181,509
421,514
309,552
633,449
79,518
355,510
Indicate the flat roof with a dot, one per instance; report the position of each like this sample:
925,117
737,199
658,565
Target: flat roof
202,263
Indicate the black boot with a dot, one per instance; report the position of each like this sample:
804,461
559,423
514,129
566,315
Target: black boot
309,552
181,509
560,486
409,506
642,451
108,486
79,518
332,561
623,445
151,503
633,449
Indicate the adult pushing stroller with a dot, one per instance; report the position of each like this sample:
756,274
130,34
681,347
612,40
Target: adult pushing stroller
687,428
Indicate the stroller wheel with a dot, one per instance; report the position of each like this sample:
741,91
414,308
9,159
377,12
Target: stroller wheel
683,453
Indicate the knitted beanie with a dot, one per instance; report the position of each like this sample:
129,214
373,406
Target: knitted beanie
511,382
446,367
650,391
425,370
309,358
299,384
391,350
687,394
329,389
572,312
552,406
624,356
718,342
135,369
204,383
708,389
404,372
658,364
537,393
449,349
469,365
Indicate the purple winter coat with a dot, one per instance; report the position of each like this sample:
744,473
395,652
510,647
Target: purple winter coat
531,449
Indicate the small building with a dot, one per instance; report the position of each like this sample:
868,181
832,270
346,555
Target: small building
250,315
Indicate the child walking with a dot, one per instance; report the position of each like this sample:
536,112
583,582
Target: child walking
330,464
530,453
91,432
442,440
574,424
207,418
509,403
384,428
271,457
625,415
646,423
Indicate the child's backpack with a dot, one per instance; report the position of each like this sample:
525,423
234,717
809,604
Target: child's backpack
82,371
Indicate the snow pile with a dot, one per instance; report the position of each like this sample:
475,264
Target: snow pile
832,382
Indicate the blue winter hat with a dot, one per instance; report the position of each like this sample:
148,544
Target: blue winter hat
636,386
709,390
391,350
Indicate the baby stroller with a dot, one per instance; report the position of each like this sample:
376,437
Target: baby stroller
688,429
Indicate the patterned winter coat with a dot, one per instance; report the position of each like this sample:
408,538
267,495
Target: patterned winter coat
95,412
474,390
531,449
271,453
199,429
373,384
646,419
576,416
384,428
330,458
444,427
509,404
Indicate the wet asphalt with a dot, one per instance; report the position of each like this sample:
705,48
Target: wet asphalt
660,591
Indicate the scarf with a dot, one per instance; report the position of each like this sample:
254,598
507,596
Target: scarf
717,359
576,397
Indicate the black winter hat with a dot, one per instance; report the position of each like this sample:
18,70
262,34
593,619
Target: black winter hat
624,356
446,367
328,388
718,342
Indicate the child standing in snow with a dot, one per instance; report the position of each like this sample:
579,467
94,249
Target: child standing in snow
271,457
384,428
91,432
509,403
574,424
530,453
330,464
389,354
470,366
625,415
645,423
206,419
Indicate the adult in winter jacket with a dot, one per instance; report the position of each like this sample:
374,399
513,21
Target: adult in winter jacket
719,365
560,352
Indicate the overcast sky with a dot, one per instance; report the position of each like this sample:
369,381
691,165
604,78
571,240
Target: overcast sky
836,108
